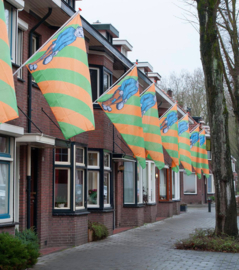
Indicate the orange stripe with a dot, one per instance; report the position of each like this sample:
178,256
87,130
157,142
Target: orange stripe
7,113
183,140
66,63
137,150
72,117
4,35
130,130
155,155
76,20
6,74
184,152
150,120
66,88
128,109
186,165
149,137
170,133
170,146
134,72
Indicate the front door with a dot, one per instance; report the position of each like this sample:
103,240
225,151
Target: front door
34,175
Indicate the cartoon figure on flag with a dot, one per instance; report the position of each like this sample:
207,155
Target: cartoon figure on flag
183,127
67,37
195,151
147,101
169,121
128,88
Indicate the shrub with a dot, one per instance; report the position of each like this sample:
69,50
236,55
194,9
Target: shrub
100,231
207,240
13,253
29,238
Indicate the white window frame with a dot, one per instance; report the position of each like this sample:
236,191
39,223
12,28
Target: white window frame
98,81
139,184
63,162
177,186
83,190
77,163
13,38
213,187
68,187
195,177
98,160
19,51
108,156
108,80
210,155
11,179
134,199
107,204
98,190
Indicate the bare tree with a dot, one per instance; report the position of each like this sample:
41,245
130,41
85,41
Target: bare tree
189,90
226,215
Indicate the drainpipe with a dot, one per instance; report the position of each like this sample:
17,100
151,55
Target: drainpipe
29,110
29,114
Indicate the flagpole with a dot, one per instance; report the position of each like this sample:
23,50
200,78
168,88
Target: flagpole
168,110
71,18
146,89
95,102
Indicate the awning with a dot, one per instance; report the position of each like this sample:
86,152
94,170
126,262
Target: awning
11,130
36,139
123,157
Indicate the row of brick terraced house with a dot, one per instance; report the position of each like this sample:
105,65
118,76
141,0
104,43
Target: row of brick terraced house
57,185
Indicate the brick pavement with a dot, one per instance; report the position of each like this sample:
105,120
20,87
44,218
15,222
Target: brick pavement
149,247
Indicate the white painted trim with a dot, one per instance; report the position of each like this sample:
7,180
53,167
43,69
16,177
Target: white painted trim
98,160
57,2
17,3
11,130
124,43
36,138
22,25
145,65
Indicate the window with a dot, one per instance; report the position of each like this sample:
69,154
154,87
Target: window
71,3
129,182
19,51
62,188
175,186
11,22
210,184
69,178
93,159
106,81
190,183
139,185
109,37
163,184
6,178
209,155
106,188
148,182
106,161
95,82
35,43
93,189
233,166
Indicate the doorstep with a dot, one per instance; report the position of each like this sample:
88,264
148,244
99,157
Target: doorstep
119,230
46,251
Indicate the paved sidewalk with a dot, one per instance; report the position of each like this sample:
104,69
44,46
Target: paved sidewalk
149,247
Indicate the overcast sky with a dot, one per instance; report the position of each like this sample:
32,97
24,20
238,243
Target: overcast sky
154,28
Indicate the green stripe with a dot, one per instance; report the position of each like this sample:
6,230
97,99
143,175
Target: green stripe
62,75
185,135
185,159
188,172
69,130
7,95
175,169
170,139
2,14
184,146
152,112
133,140
172,153
152,146
142,162
151,129
68,102
5,52
126,119
68,52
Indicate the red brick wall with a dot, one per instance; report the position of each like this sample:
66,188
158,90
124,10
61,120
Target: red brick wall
104,218
10,230
165,209
176,208
150,212
132,217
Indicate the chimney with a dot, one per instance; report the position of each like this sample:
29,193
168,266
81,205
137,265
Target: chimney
170,92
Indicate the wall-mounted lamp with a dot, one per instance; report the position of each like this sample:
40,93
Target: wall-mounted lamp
121,168
156,175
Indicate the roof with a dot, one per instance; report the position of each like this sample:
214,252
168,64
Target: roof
107,27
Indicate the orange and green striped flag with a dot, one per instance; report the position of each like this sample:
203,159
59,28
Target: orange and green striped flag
184,144
152,136
195,151
169,131
61,71
8,102
203,152
122,105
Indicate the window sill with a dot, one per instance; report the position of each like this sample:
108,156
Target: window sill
35,85
151,204
101,211
166,201
177,200
3,225
20,80
133,205
71,214
15,65
190,194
